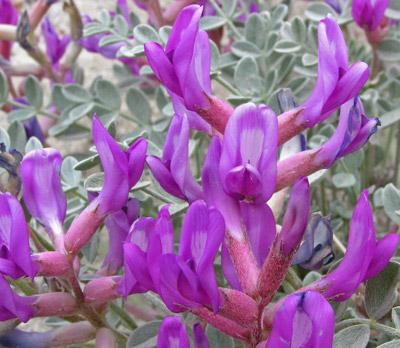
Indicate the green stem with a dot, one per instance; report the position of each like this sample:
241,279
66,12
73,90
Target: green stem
293,279
156,195
227,85
125,317
41,112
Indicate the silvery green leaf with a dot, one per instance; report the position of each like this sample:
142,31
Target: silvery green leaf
34,92
94,29
164,33
272,39
229,7
343,180
238,100
17,134
212,22
33,144
217,339
254,30
94,182
21,114
279,13
214,55
380,292
108,94
247,76
4,138
309,59
389,50
145,70
138,105
131,52
391,202
391,344
319,10
145,33
105,18
315,177
356,336
311,277
79,111
378,198
120,25
76,93
286,46
144,336
245,48
396,317
110,40
393,11
285,67
88,163
390,118
299,30
3,87
70,175
227,60
270,82
298,84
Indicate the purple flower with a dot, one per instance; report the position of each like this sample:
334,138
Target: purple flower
353,131
33,129
42,191
173,334
248,159
295,219
12,305
303,320
122,169
188,279
8,15
337,82
369,14
200,339
316,248
15,257
173,170
55,46
148,240
184,66
118,225
365,256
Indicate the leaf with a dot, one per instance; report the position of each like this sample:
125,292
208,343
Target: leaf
33,144
389,50
94,29
21,114
4,138
108,94
164,33
144,336
309,59
131,52
245,48
34,92
138,105
343,180
390,118
70,175
247,76
356,336
396,317
286,46
3,87
229,7
393,11
79,111
319,10
391,344
88,163
298,29
380,292
145,33
253,27
120,25
391,202
17,134
212,22
217,339
76,93
110,40
94,182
